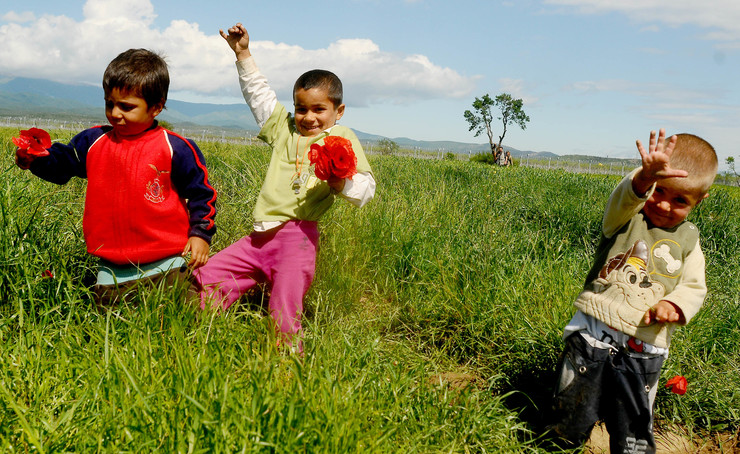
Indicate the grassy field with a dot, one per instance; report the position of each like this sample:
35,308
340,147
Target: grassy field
433,324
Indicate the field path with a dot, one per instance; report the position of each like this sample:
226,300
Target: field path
671,441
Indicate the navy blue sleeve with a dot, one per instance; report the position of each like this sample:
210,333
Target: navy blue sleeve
67,160
190,178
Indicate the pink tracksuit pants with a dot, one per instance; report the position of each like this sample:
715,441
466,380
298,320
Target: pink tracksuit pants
283,257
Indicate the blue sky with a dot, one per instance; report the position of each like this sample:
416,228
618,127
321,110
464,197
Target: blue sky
595,75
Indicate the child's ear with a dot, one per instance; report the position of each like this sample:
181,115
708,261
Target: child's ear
157,108
340,111
703,197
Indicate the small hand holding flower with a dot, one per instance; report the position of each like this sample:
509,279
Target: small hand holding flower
334,161
655,162
336,183
32,143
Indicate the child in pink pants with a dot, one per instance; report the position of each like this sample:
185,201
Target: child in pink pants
284,256
281,251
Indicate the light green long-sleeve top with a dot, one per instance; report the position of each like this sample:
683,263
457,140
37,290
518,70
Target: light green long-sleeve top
277,200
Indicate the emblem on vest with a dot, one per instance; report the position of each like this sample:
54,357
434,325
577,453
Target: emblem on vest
154,188
663,253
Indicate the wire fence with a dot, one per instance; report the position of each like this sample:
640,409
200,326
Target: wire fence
240,136
609,168
580,166
24,122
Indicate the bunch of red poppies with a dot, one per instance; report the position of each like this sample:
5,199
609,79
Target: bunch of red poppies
333,160
31,144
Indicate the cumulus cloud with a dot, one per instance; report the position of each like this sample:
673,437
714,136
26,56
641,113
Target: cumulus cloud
721,18
684,108
12,16
656,93
369,74
65,50
605,85
516,88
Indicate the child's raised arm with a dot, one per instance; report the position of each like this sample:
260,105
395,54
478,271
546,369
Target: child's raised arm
655,163
238,40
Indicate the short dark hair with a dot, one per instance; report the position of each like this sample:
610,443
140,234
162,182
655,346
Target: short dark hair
321,78
139,71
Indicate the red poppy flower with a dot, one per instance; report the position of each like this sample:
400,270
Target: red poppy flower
335,158
33,142
320,160
47,274
677,385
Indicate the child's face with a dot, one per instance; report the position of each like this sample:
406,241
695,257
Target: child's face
314,111
671,202
129,113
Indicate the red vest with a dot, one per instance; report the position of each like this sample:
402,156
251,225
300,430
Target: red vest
132,212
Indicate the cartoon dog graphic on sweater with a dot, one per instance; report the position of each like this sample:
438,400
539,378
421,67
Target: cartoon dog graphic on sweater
623,291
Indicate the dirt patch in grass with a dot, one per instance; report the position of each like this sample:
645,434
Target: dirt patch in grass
673,440
455,380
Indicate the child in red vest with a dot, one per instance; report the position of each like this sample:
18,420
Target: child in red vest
148,202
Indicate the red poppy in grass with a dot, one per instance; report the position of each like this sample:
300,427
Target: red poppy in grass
677,384
47,274
33,142
335,159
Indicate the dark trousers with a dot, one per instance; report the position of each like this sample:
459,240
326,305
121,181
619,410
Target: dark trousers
616,387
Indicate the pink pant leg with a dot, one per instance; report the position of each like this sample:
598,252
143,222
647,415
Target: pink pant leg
229,274
284,257
292,269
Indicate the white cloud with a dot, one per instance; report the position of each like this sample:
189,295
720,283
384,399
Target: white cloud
654,51
62,49
116,11
654,93
721,17
515,87
685,109
606,85
369,74
12,16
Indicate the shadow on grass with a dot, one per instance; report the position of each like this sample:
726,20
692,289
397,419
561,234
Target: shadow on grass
529,393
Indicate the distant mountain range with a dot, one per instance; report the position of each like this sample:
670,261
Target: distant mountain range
37,97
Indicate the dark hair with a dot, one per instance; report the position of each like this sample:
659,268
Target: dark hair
141,72
321,78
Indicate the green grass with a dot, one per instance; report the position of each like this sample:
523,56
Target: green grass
455,267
